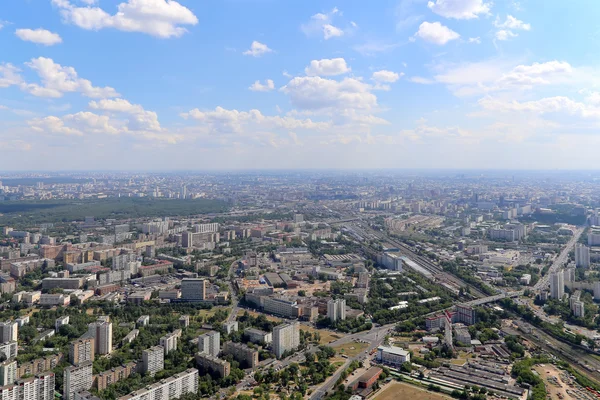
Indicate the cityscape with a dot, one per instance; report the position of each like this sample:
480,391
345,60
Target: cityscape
299,200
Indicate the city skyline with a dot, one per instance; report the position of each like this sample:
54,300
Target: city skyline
117,85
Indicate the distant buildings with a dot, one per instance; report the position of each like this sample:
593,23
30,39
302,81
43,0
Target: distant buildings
286,338
336,310
210,343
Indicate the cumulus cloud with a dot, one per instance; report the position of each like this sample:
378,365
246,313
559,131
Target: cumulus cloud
459,9
386,76
436,33
556,104
257,49
159,18
327,67
476,40
316,93
321,24
57,80
259,87
9,75
506,28
40,36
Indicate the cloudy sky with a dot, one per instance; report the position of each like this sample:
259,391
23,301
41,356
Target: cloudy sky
233,84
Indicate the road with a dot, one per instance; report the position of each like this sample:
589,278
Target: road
544,282
234,299
375,337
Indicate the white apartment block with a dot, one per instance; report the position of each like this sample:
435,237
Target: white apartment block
210,343
60,322
8,372
9,331
336,310
9,349
557,285
153,360
40,387
582,256
168,389
169,342
206,228
286,337
77,379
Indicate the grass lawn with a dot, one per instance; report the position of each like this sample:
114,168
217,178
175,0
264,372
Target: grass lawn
256,314
351,349
397,390
326,336
207,313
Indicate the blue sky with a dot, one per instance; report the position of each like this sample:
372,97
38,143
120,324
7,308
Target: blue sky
233,84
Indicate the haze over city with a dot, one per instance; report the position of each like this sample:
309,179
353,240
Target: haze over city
237,84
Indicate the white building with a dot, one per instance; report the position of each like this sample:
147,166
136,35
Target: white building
557,285
77,379
336,310
9,349
392,355
578,308
206,228
153,360
170,388
210,343
60,322
9,331
582,256
8,372
258,336
286,337
230,327
169,342
392,261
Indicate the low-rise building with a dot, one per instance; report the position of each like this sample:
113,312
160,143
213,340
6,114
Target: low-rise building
392,355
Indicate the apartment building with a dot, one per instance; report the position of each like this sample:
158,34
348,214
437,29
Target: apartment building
246,356
9,331
101,331
258,336
169,388
286,338
153,360
82,350
193,289
76,379
210,343
206,362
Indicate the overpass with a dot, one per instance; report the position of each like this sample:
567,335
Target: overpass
494,298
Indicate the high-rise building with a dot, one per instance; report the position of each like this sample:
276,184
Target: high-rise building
214,364
8,372
246,356
578,309
187,239
298,218
557,285
286,337
153,360
465,314
169,341
101,331
173,387
336,310
206,228
210,343
582,256
193,289
9,331
40,387
76,379
82,350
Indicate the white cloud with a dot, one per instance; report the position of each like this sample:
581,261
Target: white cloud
506,28
321,24
330,31
138,118
373,47
9,75
226,121
257,49
511,23
53,124
386,76
436,33
327,67
40,36
536,73
57,80
159,18
504,34
421,80
460,9
476,40
259,87
294,139
545,105
316,93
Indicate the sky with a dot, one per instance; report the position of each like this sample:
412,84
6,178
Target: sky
287,84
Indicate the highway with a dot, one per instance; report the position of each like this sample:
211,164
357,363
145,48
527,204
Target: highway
234,299
544,282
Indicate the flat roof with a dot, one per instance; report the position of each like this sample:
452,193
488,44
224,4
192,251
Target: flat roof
393,350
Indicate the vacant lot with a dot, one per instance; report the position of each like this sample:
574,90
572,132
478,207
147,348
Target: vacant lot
397,390
351,349
256,314
326,336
